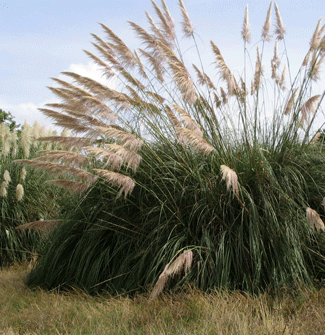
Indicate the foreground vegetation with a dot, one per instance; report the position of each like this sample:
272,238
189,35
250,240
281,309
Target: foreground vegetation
187,179
23,311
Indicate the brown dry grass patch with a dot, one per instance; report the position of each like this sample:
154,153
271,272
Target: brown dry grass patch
25,311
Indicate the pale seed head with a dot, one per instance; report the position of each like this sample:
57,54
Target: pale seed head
3,189
19,192
6,177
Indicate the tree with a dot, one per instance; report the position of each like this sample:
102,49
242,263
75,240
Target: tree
8,118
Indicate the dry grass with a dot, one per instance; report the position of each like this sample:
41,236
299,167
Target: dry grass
23,311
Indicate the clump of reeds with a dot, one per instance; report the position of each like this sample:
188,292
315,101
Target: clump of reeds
168,139
24,196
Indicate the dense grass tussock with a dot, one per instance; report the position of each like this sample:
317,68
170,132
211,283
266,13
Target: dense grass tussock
184,181
24,195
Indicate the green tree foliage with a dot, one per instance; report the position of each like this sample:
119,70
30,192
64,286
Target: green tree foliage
8,118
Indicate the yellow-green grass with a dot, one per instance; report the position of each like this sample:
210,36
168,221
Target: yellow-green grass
26,311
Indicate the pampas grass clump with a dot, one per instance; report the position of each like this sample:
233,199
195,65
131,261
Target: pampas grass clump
24,195
175,161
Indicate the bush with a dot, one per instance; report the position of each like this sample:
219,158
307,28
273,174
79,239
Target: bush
216,182
24,195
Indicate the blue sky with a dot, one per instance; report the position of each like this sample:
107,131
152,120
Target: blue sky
40,39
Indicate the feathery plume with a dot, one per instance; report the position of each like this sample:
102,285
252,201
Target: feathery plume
40,225
322,42
189,137
216,100
141,68
186,23
101,91
64,157
59,169
25,139
282,78
290,102
316,38
125,183
209,82
13,140
3,189
104,45
43,132
14,152
113,160
168,16
267,25
120,47
258,73
200,75
23,173
109,56
182,262
279,28
275,61
161,282
5,137
183,80
246,34
315,65
166,21
133,81
309,108
155,64
204,79
188,121
314,220
19,192
306,59
107,70
6,177
67,121
123,155
74,186
150,41
156,96
231,179
87,105
175,122
35,130
243,87
68,142
126,139
223,96
225,72
158,33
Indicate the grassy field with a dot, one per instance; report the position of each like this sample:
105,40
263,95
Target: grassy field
24,311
